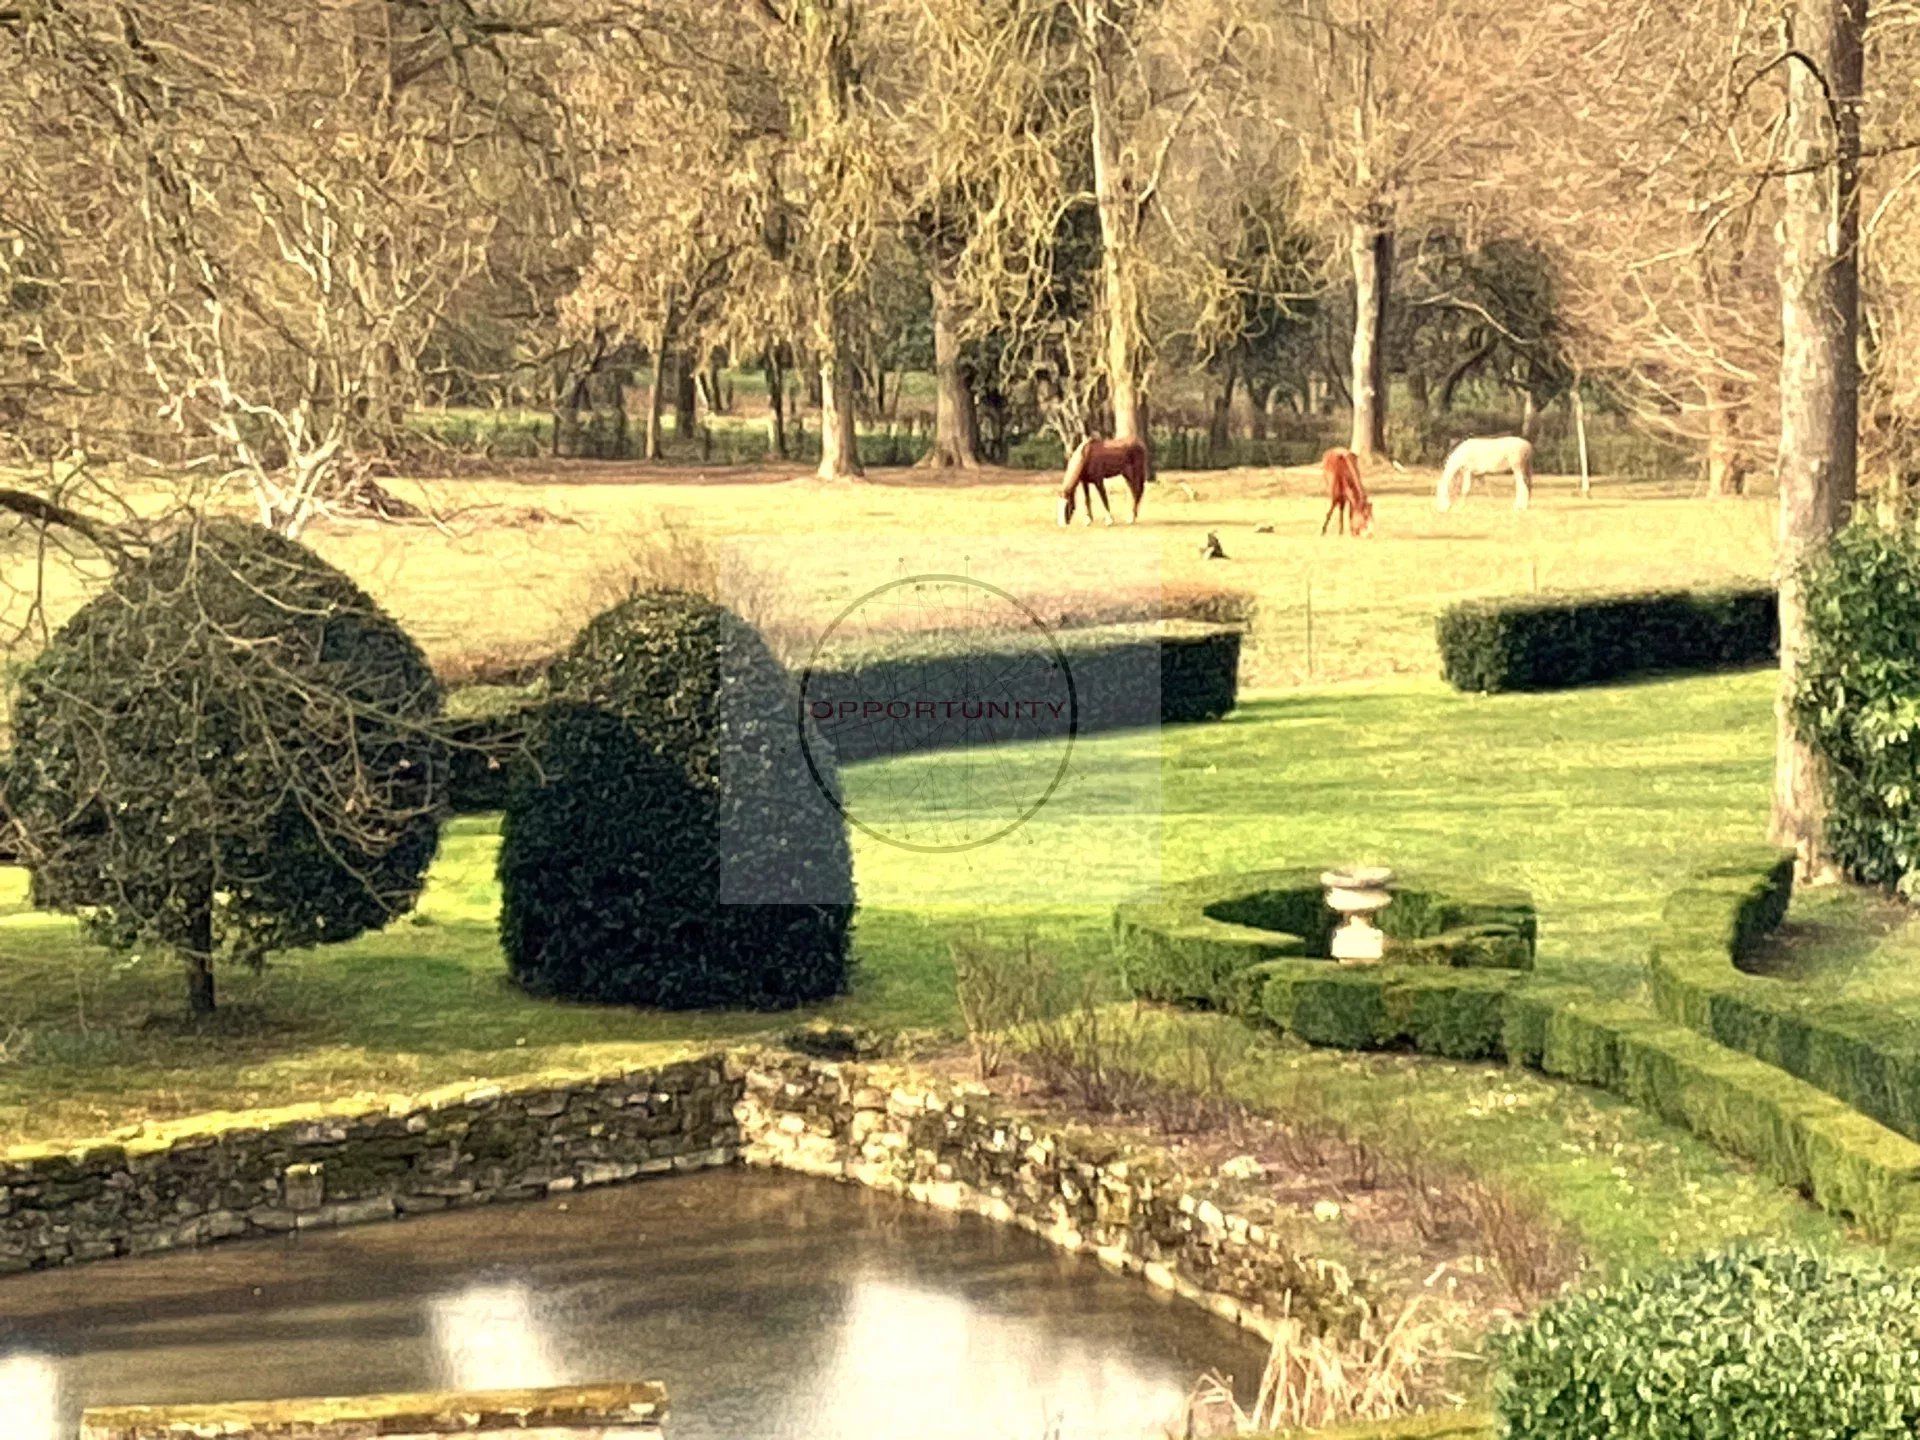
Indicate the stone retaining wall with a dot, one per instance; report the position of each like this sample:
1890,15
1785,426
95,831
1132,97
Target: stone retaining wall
1225,1245
1218,1240
303,1167
575,1412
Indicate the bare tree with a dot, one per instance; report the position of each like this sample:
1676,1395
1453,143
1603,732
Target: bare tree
668,205
1650,184
1395,110
1151,68
830,192
256,217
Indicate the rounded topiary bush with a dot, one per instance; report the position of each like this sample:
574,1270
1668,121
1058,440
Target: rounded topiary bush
1750,1344
667,842
230,751
1857,700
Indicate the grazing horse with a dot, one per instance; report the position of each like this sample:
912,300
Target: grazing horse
1470,458
1093,464
1345,494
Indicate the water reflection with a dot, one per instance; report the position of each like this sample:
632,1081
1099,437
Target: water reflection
488,1338
916,1357
773,1306
29,1396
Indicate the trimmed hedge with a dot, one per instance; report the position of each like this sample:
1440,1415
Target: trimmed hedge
1247,944
1122,677
1551,642
1190,942
483,747
1748,1344
1802,1136
1860,1054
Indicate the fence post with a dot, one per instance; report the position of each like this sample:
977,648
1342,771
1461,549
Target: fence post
1580,432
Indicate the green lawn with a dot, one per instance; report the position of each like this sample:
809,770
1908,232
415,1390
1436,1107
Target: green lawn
1597,800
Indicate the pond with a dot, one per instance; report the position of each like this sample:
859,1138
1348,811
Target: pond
772,1305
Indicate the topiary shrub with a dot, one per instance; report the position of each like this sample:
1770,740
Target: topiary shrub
667,842
1857,700
231,751
1750,1344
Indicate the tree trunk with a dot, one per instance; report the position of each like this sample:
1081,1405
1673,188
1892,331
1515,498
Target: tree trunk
1819,366
1119,267
198,955
776,404
839,441
1726,461
956,422
1219,425
617,384
683,395
656,399
1260,402
1529,414
1372,247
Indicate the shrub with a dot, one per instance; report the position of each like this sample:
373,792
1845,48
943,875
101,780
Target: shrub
1857,700
1550,642
665,844
998,990
1750,1344
231,751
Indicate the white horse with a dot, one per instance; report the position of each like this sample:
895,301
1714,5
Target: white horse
1506,454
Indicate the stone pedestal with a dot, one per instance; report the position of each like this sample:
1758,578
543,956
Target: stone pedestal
1358,893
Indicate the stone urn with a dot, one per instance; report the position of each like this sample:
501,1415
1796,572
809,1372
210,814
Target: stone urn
1358,893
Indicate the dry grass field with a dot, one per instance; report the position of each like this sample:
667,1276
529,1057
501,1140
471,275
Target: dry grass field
526,559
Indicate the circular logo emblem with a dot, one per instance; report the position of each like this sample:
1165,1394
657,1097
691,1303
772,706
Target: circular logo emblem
955,669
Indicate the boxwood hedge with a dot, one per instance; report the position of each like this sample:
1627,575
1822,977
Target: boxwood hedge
1551,642
1122,677
1860,1054
1191,944
1748,1344
230,751
1256,944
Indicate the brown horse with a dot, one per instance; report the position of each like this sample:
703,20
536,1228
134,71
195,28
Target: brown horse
1345,493
1095,463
